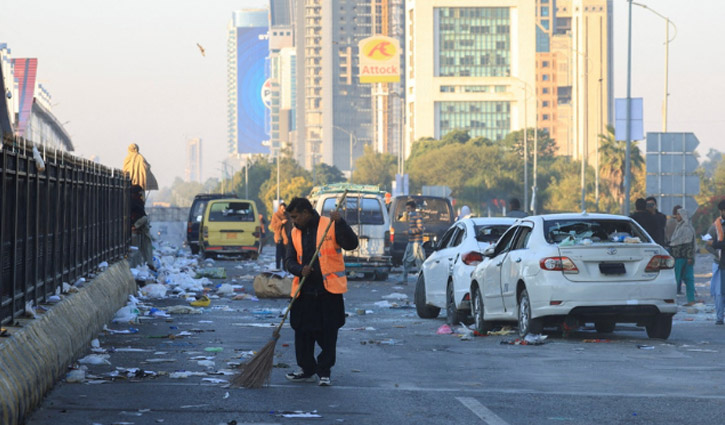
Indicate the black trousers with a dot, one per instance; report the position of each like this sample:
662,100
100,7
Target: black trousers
305,351
280,254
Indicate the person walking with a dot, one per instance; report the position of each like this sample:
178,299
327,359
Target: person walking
281,233
319,311
515,210
716,245
683,249
660,221
671,224
141,226
414,254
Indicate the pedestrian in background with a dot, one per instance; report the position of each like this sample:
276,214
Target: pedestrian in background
671,224
660,221
319,311
464,213
515,210
279,226
643,217
683,249
717,245
141,226
414,254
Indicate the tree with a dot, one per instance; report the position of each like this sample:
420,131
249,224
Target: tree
563,193
545,144
612,166
293,181
327,174
375,168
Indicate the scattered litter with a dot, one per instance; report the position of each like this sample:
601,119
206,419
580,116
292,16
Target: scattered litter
132,350
155,312
395,296
215,380
103,265
464,333
226,395
95,359
383,304
701,350
162,360
645,347
76,375
596,341
209,364
527,340
225,289
204,301
245,297
506,330
29,310
113,331
212,272
297,414
444,330
154,290
214,349
53,299
128,313
183,309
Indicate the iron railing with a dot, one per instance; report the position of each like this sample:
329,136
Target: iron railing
56,225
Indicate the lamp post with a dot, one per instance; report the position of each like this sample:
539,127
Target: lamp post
401,144
668,22
526,146
352,136
627,165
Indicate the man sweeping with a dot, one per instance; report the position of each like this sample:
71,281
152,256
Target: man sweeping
319,312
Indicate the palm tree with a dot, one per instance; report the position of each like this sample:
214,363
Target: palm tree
612,163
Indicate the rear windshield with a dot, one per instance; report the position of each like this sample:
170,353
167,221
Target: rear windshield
231,211
432,210
577,231
490,232
197,210
369,211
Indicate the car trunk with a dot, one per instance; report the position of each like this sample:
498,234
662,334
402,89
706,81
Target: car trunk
614,262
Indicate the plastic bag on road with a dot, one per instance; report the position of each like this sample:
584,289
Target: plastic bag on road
154,290
95,359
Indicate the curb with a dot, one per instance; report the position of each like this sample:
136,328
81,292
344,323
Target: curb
38,353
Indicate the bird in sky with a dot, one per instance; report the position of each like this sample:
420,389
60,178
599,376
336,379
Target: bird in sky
201,49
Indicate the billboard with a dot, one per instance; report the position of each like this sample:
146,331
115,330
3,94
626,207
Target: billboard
379,59
252,51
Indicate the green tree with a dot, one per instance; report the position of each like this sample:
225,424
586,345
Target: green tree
563,192
375,168
293,181
612,154
545,144
327,174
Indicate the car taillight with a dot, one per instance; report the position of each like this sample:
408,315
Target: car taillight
392,234
561,264
660,262
472,258
188,227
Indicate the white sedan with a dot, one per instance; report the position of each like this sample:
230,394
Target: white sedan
575,269
445,277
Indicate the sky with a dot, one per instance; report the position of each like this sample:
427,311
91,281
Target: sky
129,71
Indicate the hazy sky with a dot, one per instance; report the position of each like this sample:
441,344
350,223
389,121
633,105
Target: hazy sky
123,71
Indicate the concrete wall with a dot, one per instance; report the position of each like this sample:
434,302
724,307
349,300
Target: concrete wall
38,352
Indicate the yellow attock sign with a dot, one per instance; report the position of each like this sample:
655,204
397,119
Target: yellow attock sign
379,59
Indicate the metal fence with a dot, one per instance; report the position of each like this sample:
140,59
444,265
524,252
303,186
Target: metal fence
56,225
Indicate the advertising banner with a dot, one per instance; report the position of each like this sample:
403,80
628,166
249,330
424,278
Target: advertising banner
379,59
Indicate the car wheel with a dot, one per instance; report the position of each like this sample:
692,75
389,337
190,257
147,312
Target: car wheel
482,326
660,327
380,276
194,249
453,317
527,325
424,310
604,326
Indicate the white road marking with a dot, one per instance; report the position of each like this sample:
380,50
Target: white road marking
481,411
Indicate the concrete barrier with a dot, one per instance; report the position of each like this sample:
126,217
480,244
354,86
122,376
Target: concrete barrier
39,351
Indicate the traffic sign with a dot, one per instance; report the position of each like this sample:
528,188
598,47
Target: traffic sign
671,165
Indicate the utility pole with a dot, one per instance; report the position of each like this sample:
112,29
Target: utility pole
627,165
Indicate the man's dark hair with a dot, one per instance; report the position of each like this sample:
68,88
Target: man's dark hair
640,204
411,204
299,205
721,205
282,204
675,208
514,204
651,199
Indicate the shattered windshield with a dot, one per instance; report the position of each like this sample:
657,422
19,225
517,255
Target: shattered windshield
583,231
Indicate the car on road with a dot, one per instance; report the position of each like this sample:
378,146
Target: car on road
572,269
445,277
196,212
436,213
230,227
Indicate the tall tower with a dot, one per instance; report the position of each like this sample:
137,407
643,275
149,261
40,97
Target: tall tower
192,173
469,67
333,108
247,51
281,77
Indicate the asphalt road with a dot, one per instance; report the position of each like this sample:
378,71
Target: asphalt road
392,368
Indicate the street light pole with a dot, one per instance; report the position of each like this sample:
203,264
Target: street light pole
526,152
352,143
628,127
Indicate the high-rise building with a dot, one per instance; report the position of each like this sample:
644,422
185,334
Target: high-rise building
247,71
192,173
281,75
469,65
580,71
334,112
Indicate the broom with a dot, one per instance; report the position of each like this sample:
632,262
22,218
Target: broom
257,370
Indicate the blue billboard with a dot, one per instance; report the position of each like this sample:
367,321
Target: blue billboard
252,51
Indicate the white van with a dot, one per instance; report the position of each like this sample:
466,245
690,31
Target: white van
365,212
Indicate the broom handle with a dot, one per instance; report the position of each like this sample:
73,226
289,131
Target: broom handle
314,257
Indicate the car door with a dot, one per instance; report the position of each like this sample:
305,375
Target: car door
512,267
493,299
437,268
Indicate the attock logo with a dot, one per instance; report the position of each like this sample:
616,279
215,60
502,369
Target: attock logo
380,50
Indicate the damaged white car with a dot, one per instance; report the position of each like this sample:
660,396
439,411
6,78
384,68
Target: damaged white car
579,268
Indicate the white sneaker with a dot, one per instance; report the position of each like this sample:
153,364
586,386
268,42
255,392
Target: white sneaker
324,381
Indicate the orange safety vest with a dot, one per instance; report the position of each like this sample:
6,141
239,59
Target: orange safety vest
331,262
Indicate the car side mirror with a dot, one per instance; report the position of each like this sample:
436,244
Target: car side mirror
490,251
428,246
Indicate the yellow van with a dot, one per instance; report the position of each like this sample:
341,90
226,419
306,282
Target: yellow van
230,227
